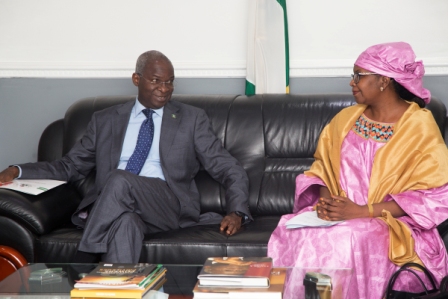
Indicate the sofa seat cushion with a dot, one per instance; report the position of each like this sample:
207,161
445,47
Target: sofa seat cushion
59,246
190,245
195,244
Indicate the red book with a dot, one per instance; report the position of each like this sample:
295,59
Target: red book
236,272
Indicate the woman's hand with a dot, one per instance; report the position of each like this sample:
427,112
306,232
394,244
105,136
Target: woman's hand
338,208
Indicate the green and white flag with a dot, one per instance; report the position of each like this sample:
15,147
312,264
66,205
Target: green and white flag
268,48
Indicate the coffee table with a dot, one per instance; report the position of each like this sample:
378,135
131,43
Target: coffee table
180,283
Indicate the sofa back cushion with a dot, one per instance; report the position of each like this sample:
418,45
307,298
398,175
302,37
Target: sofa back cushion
79,114
273,136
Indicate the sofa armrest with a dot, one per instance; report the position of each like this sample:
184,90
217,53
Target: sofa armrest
42,213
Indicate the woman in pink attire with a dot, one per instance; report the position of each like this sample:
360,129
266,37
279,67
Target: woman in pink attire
381,166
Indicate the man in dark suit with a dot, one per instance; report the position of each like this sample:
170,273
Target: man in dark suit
137,192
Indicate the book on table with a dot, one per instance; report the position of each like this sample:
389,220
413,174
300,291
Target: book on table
118,293
274,291
116,275
236,272
120,281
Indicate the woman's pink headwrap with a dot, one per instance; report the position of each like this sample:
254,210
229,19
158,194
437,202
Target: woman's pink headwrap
397,61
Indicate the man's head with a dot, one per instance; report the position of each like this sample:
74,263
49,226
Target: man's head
154,76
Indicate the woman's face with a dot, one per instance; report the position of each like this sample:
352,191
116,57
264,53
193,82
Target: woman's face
367,90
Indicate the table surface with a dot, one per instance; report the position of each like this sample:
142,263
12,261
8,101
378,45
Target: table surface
180,281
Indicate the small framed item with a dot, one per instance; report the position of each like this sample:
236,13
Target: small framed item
317,286
44,276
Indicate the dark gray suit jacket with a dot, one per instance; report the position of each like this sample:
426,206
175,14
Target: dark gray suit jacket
186,141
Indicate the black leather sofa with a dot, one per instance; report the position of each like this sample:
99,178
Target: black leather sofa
273,136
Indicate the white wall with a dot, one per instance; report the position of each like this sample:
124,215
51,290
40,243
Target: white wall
58,45
207,38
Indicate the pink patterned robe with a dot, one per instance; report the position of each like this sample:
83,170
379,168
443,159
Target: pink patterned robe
361,244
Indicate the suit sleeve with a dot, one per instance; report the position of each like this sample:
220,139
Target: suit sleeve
224,168
75,165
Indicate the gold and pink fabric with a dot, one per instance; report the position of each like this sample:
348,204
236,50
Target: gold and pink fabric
411,167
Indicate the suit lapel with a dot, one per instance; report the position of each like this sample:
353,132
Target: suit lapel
170,124
119,126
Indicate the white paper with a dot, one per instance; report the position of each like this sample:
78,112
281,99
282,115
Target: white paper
156,295
33,187
308,219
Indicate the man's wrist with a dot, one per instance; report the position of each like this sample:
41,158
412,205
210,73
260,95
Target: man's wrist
239,214
16,171
243,216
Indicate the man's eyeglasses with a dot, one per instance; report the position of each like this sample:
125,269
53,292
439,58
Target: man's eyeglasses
357,76
168,84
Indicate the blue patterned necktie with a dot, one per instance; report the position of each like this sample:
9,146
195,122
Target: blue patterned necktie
144,141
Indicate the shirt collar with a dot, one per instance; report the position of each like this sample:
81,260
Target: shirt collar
138,107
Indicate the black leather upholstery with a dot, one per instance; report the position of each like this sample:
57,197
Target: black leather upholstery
273,136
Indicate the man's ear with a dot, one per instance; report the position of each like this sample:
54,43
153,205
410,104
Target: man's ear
135,79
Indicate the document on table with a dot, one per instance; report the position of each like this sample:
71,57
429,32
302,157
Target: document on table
33,187
308,219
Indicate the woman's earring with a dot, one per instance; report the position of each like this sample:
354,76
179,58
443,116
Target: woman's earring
381,88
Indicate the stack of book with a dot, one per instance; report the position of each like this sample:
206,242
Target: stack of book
117,280
240,277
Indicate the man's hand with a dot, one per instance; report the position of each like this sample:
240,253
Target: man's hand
9,174
231,224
